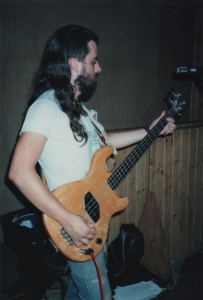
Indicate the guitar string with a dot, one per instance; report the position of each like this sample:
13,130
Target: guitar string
128,163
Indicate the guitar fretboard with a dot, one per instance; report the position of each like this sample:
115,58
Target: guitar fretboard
123,170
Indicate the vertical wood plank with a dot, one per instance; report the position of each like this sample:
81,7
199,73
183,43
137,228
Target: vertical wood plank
152,186
168,190
191,184
142,182
175,208
184,192
132,208
159,174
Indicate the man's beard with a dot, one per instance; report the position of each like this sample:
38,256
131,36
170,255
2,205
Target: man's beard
86,85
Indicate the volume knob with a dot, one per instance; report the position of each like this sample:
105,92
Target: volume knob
99,241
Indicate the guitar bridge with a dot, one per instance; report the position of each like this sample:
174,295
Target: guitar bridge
66,236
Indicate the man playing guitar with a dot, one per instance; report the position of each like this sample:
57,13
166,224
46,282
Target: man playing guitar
59,134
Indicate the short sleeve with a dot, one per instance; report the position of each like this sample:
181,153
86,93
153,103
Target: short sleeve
40,117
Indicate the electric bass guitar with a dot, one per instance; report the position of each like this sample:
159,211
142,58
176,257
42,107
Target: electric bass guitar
94,196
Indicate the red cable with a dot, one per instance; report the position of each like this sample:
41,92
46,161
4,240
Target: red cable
99,275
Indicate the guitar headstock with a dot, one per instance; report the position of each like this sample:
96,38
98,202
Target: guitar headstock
175,103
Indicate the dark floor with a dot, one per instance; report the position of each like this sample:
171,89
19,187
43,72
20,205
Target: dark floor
41,283
35,277
190,284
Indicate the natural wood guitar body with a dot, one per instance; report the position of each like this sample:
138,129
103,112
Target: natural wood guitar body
72,196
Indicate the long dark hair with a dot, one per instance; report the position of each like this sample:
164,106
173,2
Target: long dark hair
54,73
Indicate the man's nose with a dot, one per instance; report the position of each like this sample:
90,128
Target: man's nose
98,68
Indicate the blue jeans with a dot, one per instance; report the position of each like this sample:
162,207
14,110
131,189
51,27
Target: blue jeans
84,283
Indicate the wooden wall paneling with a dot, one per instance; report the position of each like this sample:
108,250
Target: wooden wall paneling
198,193
155,257
161,153
168,177
142,183
191,184
184,192
132,194
152,168
173,170
175,205
159,174
157,156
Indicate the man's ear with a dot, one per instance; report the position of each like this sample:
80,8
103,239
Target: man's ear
74,64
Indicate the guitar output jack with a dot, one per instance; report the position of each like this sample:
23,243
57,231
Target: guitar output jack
99,241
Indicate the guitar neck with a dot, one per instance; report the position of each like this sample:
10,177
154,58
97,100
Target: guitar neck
123,170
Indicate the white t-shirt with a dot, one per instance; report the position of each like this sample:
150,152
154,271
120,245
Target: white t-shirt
63,159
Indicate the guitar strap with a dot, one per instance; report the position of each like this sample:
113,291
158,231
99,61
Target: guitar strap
111,162
96,124
42,176
102,138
